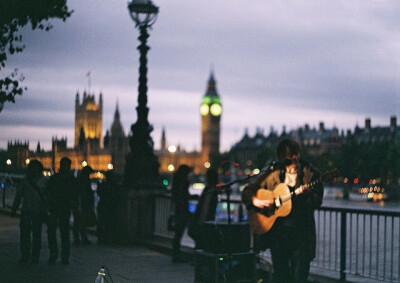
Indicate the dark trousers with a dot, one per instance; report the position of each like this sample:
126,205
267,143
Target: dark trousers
105,226
79,227
59,219
30,235
290,259
182,218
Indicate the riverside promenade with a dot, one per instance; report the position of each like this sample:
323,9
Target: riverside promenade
125,264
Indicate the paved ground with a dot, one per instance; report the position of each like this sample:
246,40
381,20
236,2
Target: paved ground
125,264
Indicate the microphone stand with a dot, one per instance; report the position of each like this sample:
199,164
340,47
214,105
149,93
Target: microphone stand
221,188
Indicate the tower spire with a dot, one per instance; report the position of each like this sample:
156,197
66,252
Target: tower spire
212,70
116,113
89,80
211,85
163,139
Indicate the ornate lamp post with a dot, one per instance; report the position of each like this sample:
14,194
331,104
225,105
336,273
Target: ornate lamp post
141,164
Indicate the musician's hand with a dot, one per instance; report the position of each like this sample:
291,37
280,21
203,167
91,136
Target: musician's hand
261,203
302,189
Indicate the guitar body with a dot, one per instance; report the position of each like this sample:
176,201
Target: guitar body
261,221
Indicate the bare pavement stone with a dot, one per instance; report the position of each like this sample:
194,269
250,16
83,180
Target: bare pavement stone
125,264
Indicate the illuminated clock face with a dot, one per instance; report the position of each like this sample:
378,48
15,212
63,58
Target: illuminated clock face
216,109
204,109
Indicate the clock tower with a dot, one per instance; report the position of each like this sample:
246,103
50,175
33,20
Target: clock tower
210,110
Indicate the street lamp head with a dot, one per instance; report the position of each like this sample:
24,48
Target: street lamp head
143,12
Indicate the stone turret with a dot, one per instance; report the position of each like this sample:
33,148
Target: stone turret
89,116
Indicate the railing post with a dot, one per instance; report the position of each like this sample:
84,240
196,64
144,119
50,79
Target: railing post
4,195
343,236
240,213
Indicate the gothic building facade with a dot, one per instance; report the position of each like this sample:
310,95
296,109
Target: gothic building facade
17,154
88,149
103,154
117,142
88,120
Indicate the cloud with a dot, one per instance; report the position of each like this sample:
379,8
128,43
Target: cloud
276,63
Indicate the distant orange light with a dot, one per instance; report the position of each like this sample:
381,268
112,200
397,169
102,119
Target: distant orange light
356,181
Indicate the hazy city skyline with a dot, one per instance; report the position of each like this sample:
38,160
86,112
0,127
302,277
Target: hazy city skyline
276,64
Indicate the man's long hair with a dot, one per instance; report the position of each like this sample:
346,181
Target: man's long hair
287,147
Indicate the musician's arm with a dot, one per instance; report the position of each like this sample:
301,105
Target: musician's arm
313,198
249,192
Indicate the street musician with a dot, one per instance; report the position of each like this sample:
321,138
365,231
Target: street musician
293,188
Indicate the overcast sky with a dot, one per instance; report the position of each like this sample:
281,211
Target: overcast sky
276,63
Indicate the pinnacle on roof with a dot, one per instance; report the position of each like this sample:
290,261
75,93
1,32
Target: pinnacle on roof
116,114
211,86
211,95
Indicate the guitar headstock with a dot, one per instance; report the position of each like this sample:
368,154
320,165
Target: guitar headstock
329,175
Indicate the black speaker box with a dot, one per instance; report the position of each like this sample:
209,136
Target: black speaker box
222,238
211,267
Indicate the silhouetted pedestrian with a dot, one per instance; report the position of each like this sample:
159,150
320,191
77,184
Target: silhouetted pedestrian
59,199
31,191
106,208
180,198
206,209
84,209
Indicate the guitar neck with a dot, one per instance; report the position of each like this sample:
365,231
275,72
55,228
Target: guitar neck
297,191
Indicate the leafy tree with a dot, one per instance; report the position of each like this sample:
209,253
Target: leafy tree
379,160
14,15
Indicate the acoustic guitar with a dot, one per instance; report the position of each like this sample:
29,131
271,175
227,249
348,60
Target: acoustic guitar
262,220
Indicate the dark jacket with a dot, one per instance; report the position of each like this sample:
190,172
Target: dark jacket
27,192
181,196
107,193
300,220
206,208
85,193
60,192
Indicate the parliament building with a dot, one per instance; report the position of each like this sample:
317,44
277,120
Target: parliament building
108,152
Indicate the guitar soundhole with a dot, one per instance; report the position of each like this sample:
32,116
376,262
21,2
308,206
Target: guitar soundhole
269,211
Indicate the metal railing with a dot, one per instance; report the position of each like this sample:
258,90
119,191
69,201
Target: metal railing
356,243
